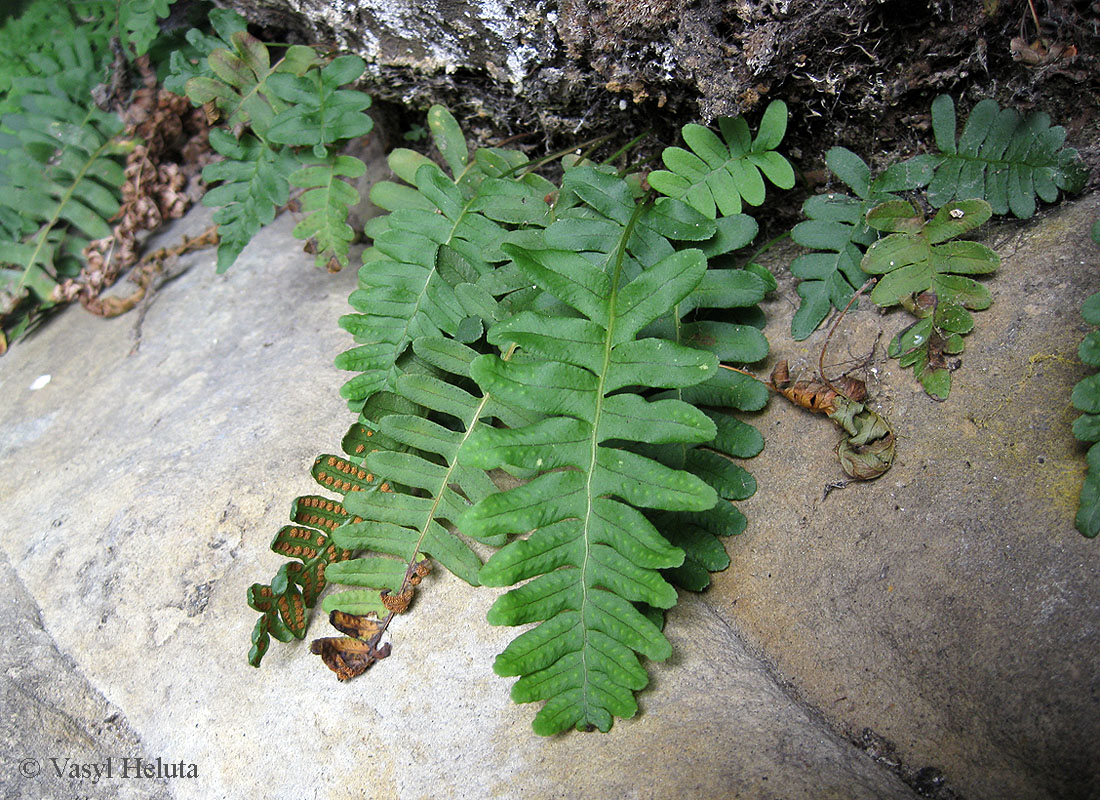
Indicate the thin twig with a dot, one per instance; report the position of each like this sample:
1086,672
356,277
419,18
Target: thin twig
1034,16
836,322
738,369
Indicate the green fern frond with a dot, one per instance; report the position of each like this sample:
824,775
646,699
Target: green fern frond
68,40
252,183
192,59
418,288
327,202
293,103
239,87
318,112
836,226
593,226
1086,398
138,19
927,274
61,181
1001,157
722,173
591,554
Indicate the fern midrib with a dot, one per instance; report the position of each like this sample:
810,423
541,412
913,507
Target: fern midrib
45,231
252,201
435,268
443,484
620,254
324,96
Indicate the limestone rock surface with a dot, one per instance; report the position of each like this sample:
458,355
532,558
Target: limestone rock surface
931,634
140,493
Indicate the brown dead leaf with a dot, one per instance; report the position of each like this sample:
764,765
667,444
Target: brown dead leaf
1041,53
868,449
354,624
346,656
813,393
163,179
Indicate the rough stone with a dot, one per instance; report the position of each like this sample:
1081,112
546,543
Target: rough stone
948,609
856,73
53,718
140,493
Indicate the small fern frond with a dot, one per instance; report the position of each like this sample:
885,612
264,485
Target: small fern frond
591,555
1001,157
837,228
252,183
192,59
239,87
722,173
68,41
927,274
318,112
139,21
327,202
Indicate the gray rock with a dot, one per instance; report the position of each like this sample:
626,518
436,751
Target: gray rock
140,493
53,720
578,67
948,612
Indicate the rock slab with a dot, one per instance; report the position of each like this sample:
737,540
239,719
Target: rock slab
949,608
140,492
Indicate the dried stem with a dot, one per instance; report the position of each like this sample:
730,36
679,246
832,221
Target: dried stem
836,322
